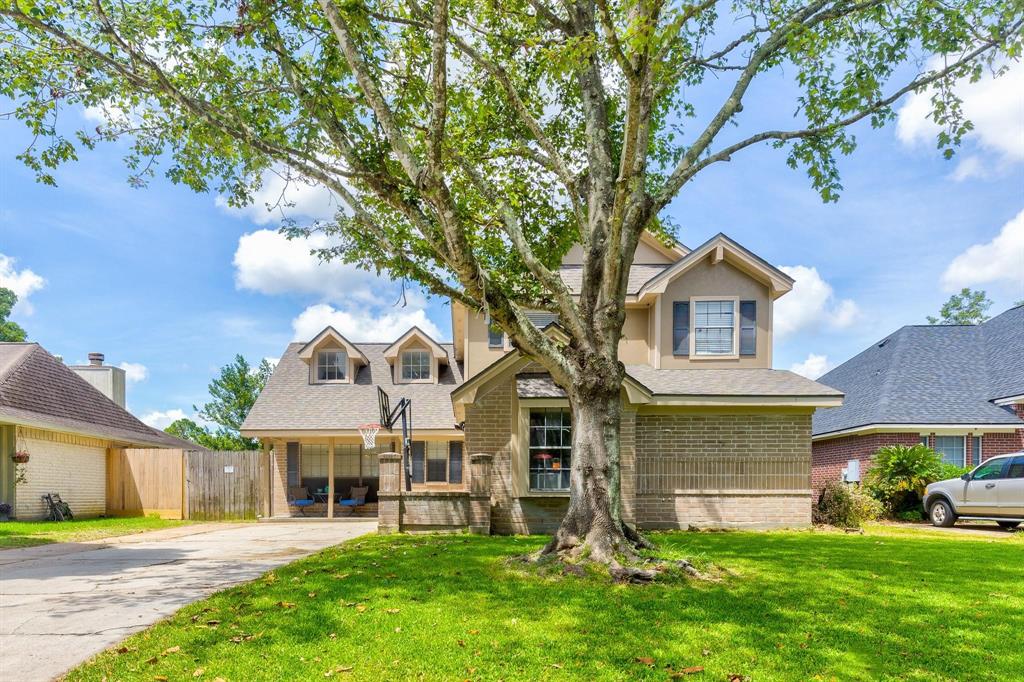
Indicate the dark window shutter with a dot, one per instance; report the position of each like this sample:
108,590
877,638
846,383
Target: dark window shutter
681,328
293,465
418,461
455,461
748,327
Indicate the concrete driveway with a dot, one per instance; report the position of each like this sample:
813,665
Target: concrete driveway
62,603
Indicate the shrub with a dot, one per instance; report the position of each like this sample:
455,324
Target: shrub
947,471
910,515
900,473
845,506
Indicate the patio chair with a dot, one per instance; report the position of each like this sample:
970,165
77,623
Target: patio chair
299,497
56,508
357,498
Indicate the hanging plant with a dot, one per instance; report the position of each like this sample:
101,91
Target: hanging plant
20,457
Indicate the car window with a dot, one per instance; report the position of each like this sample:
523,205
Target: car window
989,470
1016,469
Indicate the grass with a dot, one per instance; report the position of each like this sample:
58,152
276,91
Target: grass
891,604
29,533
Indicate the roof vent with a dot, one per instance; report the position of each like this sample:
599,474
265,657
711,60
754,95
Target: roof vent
882,344
96,359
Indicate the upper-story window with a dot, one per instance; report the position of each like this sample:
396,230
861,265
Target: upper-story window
495,336
331,365
714,323
415,365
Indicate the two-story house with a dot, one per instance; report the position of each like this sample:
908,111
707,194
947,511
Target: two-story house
711,435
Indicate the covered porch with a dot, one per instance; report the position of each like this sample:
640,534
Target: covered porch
339,477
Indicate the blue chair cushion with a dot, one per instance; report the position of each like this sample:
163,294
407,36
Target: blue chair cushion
350,503
301,503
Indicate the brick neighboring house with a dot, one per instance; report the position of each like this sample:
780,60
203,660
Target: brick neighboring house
957,388
67,425
711,435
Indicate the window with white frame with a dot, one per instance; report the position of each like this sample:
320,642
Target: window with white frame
714,323
314,461
495,336
415,365
550,449
346,460
951,448
331,365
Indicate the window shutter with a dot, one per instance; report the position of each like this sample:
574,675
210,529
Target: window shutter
293,465
681,328
748,327
418,461
455,461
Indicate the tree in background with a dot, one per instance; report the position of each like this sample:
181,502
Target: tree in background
234,392
967,307
474,142
9,331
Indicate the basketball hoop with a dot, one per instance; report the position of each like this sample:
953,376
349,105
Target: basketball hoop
369,434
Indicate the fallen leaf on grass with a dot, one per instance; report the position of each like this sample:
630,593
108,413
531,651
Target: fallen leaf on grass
392,610
153,660
333,635
360,607
474,632
160,678
462,642
312,595
557,666
286,604
198,672
644,660
172,650
126,649
692,670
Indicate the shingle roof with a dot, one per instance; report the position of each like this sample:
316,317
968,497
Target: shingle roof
38,389
289,402
728,382
639,274
934,374
741,383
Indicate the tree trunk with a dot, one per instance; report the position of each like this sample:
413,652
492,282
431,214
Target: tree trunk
592,526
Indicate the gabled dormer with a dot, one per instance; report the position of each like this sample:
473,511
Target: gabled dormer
332,358
415,358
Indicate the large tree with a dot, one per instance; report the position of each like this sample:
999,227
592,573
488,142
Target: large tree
472,142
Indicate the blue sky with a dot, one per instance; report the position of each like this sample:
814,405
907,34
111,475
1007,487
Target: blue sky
174,284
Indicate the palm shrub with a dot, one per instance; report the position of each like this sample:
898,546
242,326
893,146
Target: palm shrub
900,473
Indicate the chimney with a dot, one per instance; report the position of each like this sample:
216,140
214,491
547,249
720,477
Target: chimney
108,380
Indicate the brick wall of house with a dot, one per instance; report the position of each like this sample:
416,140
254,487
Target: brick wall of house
723,470
830,456
279,480
73,466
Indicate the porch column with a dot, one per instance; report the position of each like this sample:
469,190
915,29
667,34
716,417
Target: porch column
480,493
389,493
330,478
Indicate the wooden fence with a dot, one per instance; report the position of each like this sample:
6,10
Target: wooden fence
187,484
224,485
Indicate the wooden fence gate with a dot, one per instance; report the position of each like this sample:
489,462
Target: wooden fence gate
203,485
221,486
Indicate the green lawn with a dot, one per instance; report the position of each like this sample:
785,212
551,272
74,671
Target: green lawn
890,604
28,533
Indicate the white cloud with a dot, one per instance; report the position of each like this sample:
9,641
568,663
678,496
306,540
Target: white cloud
21,282
995,107
812,304
161,420
362,325
286,195
1000,260
134,372
268,262
813,367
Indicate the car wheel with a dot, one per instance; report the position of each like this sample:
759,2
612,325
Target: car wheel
1009,525
942,514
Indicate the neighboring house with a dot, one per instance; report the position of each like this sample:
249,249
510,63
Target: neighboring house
957,388
67,426
711,435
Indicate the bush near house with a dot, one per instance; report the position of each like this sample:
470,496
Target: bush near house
845,506
900,474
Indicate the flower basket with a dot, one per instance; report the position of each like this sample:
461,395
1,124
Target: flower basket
20,457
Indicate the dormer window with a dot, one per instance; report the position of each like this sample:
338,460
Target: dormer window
331,365
415,365
714,327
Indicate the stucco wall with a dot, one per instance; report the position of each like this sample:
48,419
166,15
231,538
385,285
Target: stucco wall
73,466
721,279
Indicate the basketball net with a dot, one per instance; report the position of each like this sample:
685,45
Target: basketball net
369,434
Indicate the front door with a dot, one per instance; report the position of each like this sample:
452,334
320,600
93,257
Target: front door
981,493
1011,489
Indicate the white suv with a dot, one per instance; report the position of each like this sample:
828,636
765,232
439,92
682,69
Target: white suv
994,491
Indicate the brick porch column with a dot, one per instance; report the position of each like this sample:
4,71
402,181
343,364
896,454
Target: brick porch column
389,494
480,493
